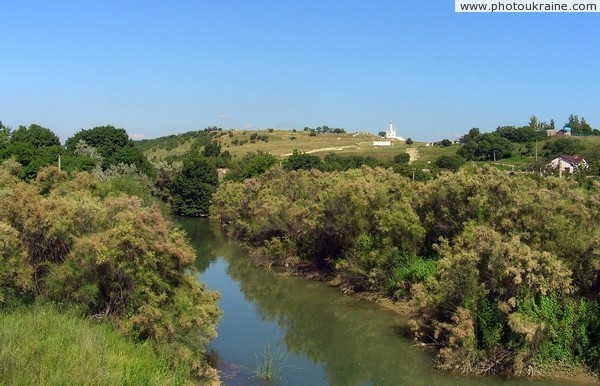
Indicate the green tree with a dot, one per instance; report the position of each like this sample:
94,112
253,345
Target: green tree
485,147
106,139
35,135
562,146
112,144
471,135
520,134
33,147
305,161
338,162
252,165
402,158
4,139
449,162
212,149
193,186
579,126
409,141
446,142
533,123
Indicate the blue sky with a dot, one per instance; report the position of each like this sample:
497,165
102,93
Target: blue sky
157,68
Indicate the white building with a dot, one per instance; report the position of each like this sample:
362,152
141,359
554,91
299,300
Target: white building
568,163
390,133
382,143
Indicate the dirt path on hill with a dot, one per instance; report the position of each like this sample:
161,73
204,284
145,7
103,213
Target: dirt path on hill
413,153
327,149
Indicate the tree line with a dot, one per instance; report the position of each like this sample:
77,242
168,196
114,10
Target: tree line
501,142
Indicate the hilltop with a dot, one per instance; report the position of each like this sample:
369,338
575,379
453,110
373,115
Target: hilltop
282,143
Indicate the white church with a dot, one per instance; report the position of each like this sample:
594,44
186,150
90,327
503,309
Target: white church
390,133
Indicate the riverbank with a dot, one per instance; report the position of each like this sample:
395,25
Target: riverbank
578,375
498,281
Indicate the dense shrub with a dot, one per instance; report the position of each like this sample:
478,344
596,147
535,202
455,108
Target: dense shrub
349,220
502,271
107,254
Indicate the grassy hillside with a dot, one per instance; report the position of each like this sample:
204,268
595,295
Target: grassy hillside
171,145
283,142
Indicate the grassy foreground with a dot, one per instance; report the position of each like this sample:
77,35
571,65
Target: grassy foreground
41,346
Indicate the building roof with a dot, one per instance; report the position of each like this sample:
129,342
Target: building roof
573,159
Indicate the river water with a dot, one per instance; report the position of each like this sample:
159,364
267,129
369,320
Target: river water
311,333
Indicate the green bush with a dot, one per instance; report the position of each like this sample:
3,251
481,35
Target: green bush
414,270
109,256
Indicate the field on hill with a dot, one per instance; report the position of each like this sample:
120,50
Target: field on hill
283,142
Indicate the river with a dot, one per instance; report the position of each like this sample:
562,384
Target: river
310,333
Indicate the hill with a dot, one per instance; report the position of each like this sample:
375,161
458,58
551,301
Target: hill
283,142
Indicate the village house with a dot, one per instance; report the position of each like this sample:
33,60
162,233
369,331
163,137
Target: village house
568,163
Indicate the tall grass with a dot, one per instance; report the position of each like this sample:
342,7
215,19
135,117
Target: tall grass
41,346
269,366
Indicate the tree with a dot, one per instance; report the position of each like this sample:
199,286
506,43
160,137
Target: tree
579,126
4,137
338,162
106,139
402,158
112,144
193,186
35,135
33,147
562,146
253,164
449,162
520,134
446,142
533,123
485,147
585,128
409,141
213,149
302,161
472,134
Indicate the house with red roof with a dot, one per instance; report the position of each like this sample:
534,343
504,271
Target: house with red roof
568,163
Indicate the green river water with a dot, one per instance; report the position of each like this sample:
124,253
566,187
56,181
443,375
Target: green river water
315,335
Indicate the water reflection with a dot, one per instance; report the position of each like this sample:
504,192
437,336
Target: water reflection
326,337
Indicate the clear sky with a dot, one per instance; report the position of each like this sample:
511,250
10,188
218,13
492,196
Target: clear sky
163,67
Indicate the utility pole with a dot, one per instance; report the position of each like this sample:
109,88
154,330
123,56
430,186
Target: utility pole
59,162
536,150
